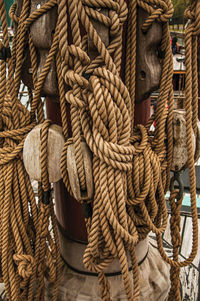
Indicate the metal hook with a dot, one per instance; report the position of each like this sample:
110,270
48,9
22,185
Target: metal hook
177,178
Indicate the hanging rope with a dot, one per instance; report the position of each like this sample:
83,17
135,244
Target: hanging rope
191,108
131,165
25,240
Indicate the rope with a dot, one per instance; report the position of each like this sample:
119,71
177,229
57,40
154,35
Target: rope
28,251
131,165
105,122
190,106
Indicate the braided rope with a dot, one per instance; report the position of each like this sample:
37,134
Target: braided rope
191,101
27,249
108,136
131,170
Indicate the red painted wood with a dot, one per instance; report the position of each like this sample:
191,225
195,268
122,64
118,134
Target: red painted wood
68,210
142,111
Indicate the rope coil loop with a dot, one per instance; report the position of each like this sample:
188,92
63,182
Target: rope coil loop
130,164
160,11
23,235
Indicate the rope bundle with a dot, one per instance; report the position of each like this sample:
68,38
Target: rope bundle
128,203
131,166
120,207
25,239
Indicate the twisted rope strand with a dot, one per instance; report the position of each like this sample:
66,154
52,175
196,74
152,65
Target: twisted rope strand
131,166
22,255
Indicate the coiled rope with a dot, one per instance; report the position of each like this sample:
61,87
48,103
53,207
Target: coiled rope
25,239
131,165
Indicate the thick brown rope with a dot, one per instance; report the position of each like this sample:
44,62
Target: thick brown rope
153,213
27,249
112,154
131,168
192,29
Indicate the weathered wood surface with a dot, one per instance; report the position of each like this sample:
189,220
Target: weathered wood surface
180,153
154,279
73,173
73,254
148,66
32,153
42,31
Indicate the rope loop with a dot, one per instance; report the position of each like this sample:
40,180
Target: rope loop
25,263
139,140
12,13
108,112
39,12
193,14
99,4
160,11
131,166
73,78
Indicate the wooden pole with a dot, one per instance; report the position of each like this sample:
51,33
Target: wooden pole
68,210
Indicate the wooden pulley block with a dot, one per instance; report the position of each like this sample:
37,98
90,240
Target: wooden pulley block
180,153
32,153
42,31
80,195
26,75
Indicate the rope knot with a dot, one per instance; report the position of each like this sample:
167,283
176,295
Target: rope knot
117,14
109,133
79,54
189,14
196,30
73,78
25,263
161,12
117,18
192,13
13,134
